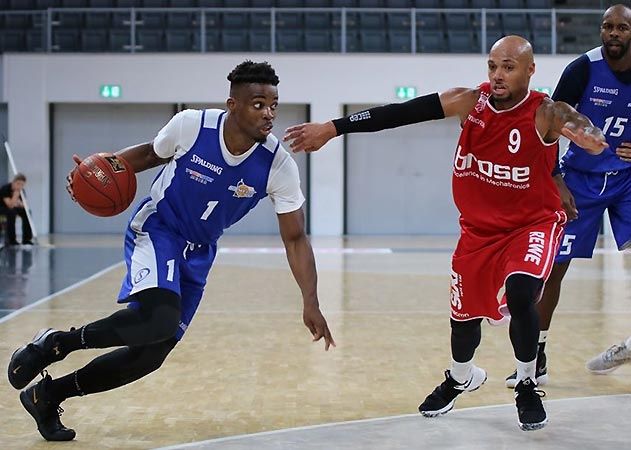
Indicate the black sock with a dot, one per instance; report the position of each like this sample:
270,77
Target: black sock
70,340
65,387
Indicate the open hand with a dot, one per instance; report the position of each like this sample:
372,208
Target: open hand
590,138
309,137
624,151
77,161
315,321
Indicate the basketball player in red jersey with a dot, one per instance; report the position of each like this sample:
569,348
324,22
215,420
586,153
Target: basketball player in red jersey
510,212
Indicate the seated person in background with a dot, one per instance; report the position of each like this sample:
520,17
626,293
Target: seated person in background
12,206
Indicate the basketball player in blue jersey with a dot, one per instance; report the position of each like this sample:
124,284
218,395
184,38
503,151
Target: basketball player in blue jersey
598,83
219,165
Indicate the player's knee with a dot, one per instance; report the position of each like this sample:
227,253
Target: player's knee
522,292
465,329
163,310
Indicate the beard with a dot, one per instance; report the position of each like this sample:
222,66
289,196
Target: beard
617,53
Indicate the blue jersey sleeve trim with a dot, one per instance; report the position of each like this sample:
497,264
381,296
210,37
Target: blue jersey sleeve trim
219,120
573,81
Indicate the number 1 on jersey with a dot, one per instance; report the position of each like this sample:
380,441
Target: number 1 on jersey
211,205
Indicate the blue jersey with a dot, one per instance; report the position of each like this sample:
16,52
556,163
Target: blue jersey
606,100
198,194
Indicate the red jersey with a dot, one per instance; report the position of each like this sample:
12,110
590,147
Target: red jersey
502,178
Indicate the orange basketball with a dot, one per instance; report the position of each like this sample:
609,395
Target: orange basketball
104,184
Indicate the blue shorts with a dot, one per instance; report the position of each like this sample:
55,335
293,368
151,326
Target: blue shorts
157,257
593,193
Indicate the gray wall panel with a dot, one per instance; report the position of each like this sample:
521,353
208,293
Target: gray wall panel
262,219
87,128
399,181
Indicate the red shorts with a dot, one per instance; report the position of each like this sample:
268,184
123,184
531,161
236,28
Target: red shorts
481,265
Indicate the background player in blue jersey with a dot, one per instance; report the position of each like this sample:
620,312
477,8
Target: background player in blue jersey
219,164
599,84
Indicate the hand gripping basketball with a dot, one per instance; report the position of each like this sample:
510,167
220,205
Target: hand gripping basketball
103,184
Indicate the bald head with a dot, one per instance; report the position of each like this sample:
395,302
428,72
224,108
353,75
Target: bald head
615,33
513,47
619,10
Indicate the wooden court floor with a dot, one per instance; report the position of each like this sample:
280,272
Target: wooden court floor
247,363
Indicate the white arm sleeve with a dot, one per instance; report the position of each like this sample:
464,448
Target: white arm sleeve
179,134
283,185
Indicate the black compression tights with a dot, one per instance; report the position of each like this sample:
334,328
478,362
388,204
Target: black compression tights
148,334
465,338
522,291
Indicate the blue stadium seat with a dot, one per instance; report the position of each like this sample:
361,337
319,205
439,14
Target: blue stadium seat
260,40
398,21
234,40
150,40
318,21
317,3
65,40
343,3
541,22
371,3
371,20
102,3
289,3
398,3
182,19
18,21
289,20
455,3
119,40
236,20
427,4
210,3
151,19
213,41
429,21
542,43
64,19
399,42
289,41
516,24
352,41
484,4
179,40
94,41
318,41
74,3
372,41
462,42
12,40
156,3
430,42
21,4
458,21
260,20
541,4
95,19
43,4
35,41
512,4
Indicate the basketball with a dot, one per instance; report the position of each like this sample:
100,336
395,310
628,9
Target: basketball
104,184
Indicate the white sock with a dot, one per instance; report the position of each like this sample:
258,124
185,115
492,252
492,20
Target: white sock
526,369
461,372
543,336
628,342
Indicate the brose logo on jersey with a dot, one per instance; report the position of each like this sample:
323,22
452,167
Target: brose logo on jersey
470,165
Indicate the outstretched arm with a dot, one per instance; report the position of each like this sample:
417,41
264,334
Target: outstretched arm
558,118
310,137
302,264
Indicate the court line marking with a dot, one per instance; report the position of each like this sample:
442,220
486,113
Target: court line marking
58,293
352,422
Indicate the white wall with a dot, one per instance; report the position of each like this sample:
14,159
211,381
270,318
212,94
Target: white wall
326,82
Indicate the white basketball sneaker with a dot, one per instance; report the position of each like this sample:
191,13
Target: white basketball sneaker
610,359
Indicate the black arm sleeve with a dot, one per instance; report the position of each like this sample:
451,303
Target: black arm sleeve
420,109
573,82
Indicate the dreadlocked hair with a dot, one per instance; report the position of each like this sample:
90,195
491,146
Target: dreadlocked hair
251,72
